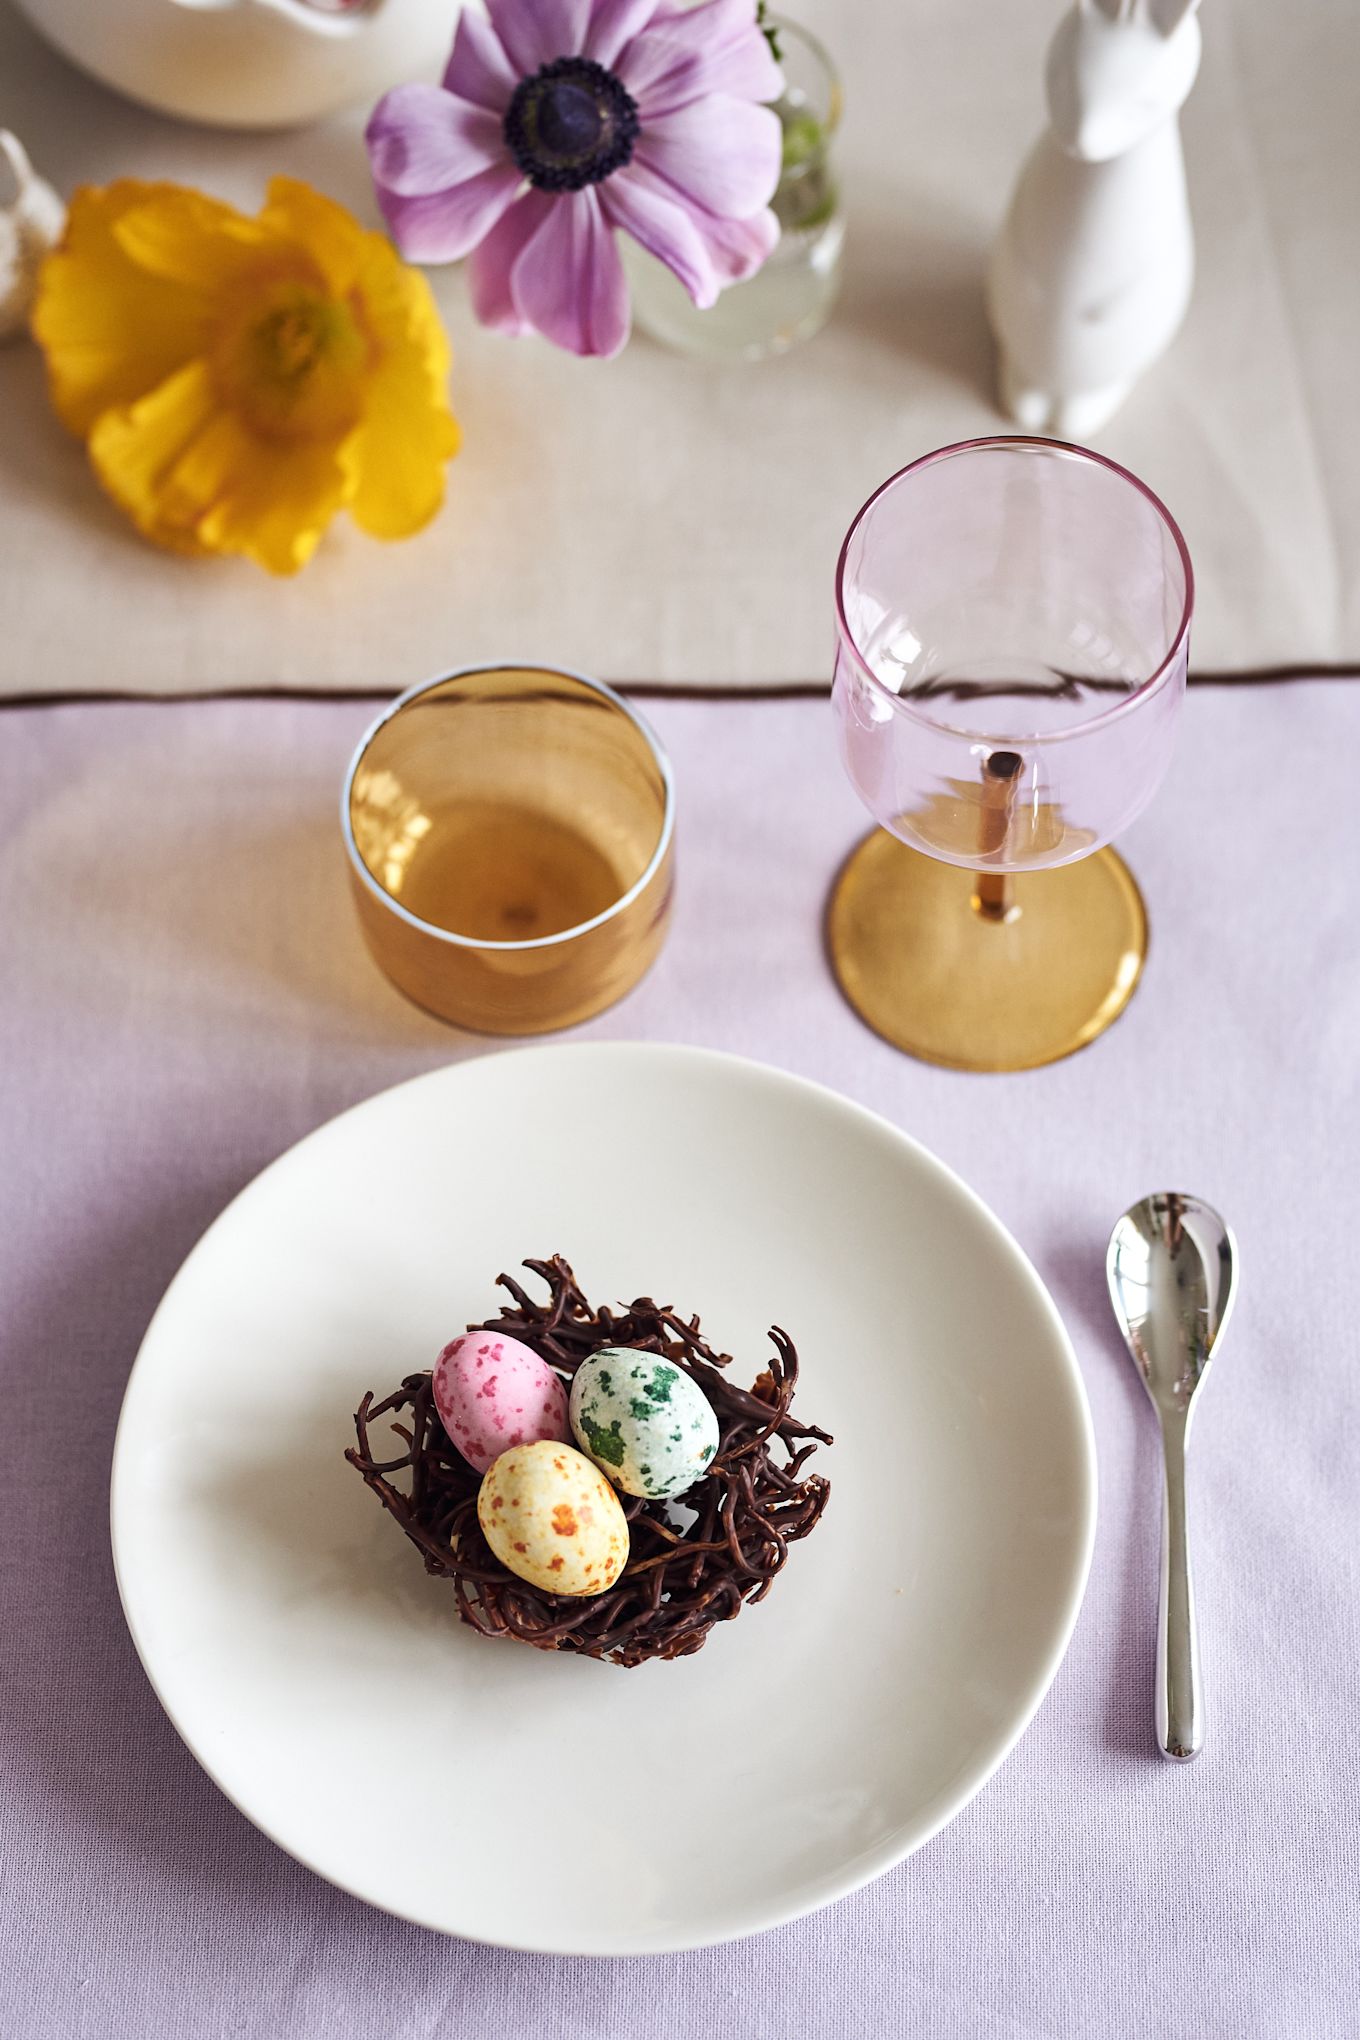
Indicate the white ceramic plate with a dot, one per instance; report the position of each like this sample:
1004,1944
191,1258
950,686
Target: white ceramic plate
545,1802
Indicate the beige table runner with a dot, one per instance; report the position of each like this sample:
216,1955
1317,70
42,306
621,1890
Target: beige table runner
656,517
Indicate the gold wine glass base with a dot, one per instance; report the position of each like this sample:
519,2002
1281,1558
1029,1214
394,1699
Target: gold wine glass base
935,977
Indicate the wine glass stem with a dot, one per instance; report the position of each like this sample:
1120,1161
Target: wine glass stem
994,896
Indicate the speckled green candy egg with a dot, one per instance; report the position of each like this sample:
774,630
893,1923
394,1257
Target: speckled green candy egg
643,1421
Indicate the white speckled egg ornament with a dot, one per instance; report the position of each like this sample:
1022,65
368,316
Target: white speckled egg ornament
643,1421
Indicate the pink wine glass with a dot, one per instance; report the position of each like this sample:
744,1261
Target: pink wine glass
1013,623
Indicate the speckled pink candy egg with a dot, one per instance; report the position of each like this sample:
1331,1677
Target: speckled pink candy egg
492,1393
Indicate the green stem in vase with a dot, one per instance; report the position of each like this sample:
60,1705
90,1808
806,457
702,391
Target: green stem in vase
768,30
806,197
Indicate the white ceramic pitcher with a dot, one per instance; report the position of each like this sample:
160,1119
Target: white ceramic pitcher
249,63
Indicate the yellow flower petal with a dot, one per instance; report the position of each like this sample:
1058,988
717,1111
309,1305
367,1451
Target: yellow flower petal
186,238
193,477
398,453
332,237
271,503
134,448
109,330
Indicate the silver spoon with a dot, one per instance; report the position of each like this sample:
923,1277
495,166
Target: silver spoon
1172,1270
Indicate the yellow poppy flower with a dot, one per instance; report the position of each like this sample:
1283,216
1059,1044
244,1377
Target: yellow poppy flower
240,380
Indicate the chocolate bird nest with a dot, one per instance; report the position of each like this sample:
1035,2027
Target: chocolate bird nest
694,1559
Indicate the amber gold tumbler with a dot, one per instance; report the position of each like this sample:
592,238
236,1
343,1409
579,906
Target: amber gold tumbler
509,831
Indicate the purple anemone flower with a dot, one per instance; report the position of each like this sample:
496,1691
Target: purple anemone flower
561,121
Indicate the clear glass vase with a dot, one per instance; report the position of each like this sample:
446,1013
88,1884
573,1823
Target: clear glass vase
791,296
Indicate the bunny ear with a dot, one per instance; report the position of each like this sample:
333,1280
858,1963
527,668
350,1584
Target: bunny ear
1166,16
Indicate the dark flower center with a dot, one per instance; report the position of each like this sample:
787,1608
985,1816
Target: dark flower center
570,125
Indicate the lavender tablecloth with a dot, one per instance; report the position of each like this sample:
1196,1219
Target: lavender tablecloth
184,994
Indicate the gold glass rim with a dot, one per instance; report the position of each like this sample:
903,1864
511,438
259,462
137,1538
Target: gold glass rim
449,935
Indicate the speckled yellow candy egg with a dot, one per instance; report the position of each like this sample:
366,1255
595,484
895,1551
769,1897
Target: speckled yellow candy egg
552,1517
643,1420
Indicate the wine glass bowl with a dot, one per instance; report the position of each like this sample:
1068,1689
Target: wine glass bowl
1012,632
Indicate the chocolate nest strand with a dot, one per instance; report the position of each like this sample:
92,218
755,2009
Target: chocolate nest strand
694,1560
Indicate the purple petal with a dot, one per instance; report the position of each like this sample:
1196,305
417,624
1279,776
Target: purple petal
722,153
440,226
517,29
479,69
535,32
491,264
656,216
565,23
421,139
736,248
717,21
714,17
613,26
669,64
569,281
665,69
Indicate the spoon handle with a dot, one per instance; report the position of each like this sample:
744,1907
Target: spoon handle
1180,1701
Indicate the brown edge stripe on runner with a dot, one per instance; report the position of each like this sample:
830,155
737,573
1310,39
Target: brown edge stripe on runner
638,690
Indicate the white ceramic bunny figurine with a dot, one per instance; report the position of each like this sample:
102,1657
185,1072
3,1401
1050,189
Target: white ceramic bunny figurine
1092,273
29,225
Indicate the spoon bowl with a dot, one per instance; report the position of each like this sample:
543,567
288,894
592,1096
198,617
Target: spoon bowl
1172,1269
